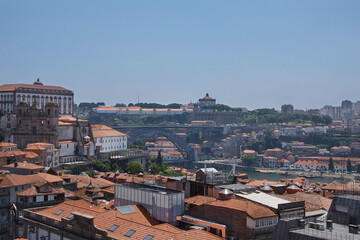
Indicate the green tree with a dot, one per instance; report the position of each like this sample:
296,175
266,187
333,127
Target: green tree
159,159
331,164
155,168
90,173
77,169
134,168
348,166
120,105
137,146
101,166
115,167
249,160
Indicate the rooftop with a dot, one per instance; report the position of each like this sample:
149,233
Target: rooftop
100,131
236,187
338,232
146,187
135,224
25,165
253,210
263,199
13,87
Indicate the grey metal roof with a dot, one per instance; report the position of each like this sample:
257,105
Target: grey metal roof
236,187
226,192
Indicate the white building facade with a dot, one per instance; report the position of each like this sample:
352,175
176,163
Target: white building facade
108,139
12,94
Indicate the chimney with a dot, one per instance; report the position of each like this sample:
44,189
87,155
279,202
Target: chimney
15,164
302,223
329,224
353,228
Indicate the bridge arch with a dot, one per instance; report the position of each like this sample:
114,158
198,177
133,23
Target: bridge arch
186,151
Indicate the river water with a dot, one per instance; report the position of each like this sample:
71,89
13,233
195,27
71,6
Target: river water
273,177
277,177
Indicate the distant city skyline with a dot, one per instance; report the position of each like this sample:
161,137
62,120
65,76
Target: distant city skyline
245,54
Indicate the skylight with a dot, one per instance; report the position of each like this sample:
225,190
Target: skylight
130,233
59,212
70,216
148,237
113,228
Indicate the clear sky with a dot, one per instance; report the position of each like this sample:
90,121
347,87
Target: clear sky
244,53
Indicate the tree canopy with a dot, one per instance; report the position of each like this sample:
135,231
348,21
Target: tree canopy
248,160
155,105
90,105
348,166
331,164
266,116
134,168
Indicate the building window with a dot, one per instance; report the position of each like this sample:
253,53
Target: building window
59,212
130,233
148,237
113,228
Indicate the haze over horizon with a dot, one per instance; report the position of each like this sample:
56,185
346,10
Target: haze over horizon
245,54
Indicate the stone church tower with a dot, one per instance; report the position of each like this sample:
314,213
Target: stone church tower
34,124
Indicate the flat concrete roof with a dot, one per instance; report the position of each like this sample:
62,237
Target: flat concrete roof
338,232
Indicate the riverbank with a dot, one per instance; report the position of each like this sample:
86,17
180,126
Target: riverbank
277,174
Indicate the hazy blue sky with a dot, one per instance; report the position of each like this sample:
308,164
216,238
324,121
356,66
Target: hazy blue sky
244,53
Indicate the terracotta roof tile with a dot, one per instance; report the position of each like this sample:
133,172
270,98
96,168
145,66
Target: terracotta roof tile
141,222
199,200
25,165
253,210
13,87
11,180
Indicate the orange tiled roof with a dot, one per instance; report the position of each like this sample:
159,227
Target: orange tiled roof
34,147
66,141
50,178
34,192
274,150
84,181
141,221
253,210
312,201
25,165
13,87
7,144
41,144
12,180
6,154
100,131
61,123
199,200
31,155
258,183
